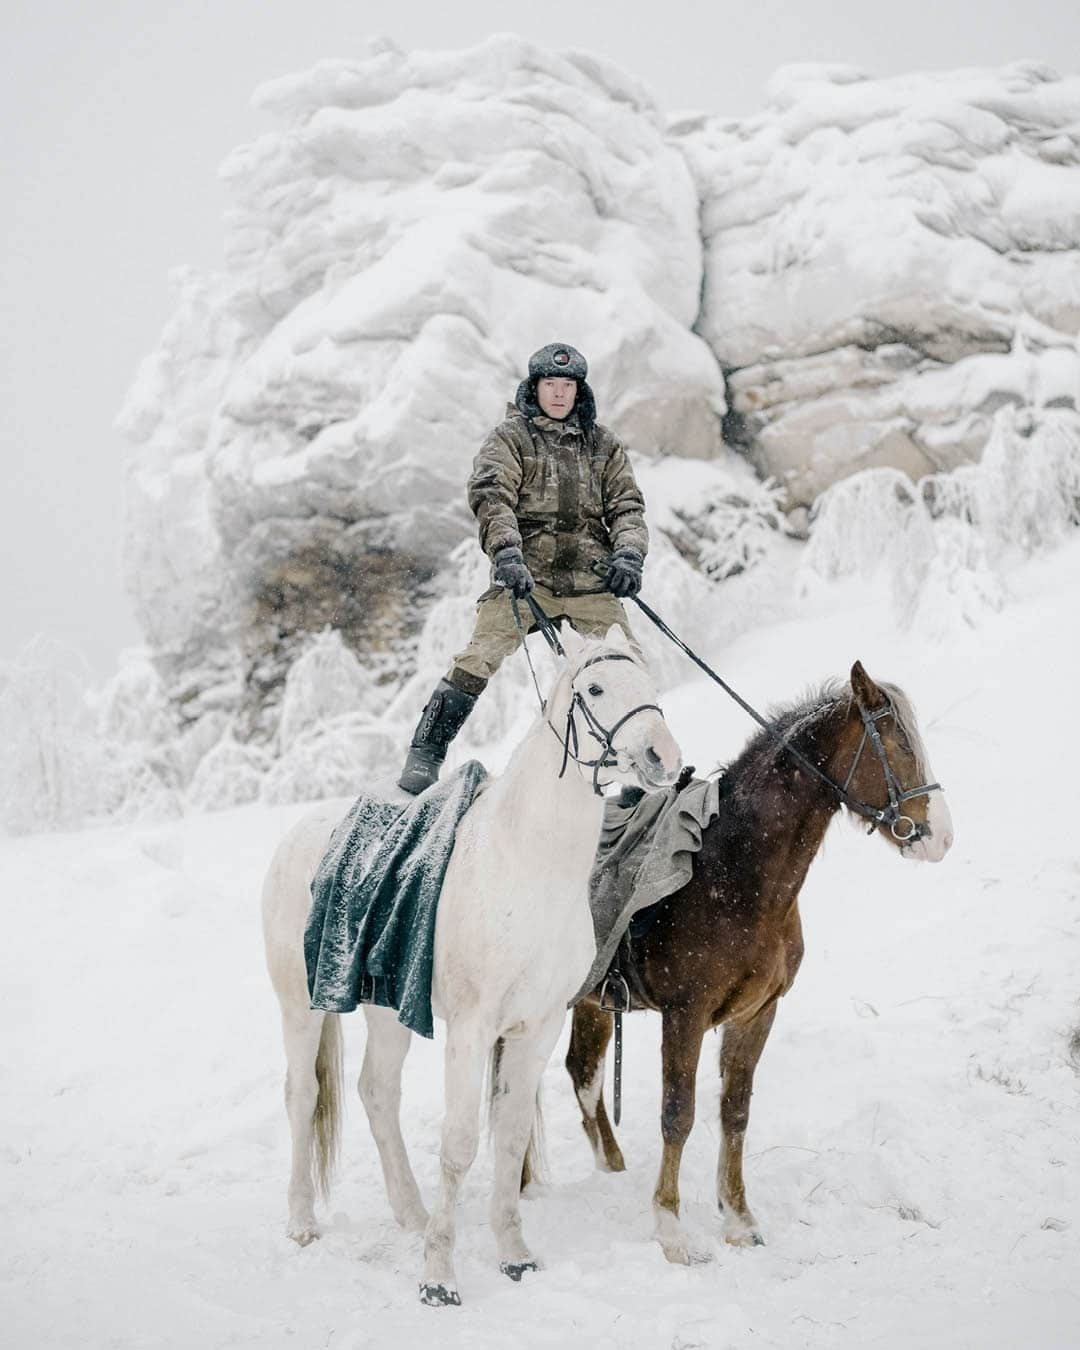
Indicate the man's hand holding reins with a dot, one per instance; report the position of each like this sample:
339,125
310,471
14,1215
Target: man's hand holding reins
624,574
511,571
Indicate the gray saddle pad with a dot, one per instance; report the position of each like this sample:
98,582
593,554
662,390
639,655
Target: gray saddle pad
645,854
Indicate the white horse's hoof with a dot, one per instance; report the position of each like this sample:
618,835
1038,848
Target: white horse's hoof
440,1296
515,1269
681,1253
742,1232
304,1234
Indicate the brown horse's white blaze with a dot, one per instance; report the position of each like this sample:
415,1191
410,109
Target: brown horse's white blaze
933,846
727,947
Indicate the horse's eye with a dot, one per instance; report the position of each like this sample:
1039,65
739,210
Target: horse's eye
595,690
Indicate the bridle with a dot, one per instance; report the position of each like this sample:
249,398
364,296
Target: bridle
903,829
891,815
568,737
606,759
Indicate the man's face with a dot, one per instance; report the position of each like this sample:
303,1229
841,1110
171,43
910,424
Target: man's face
556,397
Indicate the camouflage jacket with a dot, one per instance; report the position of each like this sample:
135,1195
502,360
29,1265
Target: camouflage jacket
567,500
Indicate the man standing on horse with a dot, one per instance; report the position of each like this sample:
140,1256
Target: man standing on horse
554,494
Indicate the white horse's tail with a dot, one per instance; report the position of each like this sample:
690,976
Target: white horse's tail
534,1165
329,1075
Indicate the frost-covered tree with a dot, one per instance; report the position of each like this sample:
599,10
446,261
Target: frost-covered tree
943,545
731,531
47,769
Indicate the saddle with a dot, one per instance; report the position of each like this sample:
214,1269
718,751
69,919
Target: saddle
645,855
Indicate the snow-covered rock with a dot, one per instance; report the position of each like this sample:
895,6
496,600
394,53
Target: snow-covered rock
173,552
871,274
418,225
888,262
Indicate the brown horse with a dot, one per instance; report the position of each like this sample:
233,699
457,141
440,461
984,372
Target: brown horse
727,946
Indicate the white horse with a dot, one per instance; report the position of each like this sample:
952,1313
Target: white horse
513,942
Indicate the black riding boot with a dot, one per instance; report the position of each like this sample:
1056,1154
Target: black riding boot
442,719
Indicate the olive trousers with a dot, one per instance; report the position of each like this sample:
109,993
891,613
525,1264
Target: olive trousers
496,635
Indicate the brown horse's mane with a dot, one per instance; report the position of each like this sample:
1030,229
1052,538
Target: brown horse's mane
801,723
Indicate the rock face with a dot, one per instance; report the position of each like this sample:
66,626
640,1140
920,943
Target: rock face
887,262
862,276
416,229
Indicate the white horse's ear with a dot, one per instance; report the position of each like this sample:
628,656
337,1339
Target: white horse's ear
573,643
615,637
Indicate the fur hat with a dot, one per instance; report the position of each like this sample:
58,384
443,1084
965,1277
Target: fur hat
558,361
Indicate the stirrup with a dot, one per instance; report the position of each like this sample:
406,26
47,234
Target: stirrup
615,993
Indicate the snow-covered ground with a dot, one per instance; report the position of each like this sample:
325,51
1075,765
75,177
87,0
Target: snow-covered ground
914,1146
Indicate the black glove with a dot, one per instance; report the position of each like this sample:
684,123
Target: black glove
511,572
624,574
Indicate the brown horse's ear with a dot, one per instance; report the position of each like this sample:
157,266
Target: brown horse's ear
866,692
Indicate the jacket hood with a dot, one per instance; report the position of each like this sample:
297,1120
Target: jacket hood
584,404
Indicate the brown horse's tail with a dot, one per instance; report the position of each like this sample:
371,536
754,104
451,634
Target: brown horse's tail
534,1163
328,1074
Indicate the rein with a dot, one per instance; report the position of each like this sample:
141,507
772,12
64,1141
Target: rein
891,815
606,759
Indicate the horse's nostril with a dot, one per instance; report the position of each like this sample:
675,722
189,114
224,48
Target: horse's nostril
653,759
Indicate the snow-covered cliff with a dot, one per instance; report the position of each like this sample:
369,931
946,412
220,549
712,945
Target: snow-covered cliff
416,227
888,262
871,274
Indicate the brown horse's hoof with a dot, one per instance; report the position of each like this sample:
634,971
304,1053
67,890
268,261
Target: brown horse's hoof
440,1296
515,1269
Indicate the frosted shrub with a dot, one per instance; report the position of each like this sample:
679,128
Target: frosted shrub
132,707
327,681
941,546
136,785
47,769
230,774
138,773
960,586
1027,489
952,495
192,745
732,531
334,759
872,519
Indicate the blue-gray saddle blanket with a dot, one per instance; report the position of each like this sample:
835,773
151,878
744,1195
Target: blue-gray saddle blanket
370,936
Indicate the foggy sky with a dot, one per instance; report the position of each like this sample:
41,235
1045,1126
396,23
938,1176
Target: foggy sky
117,113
